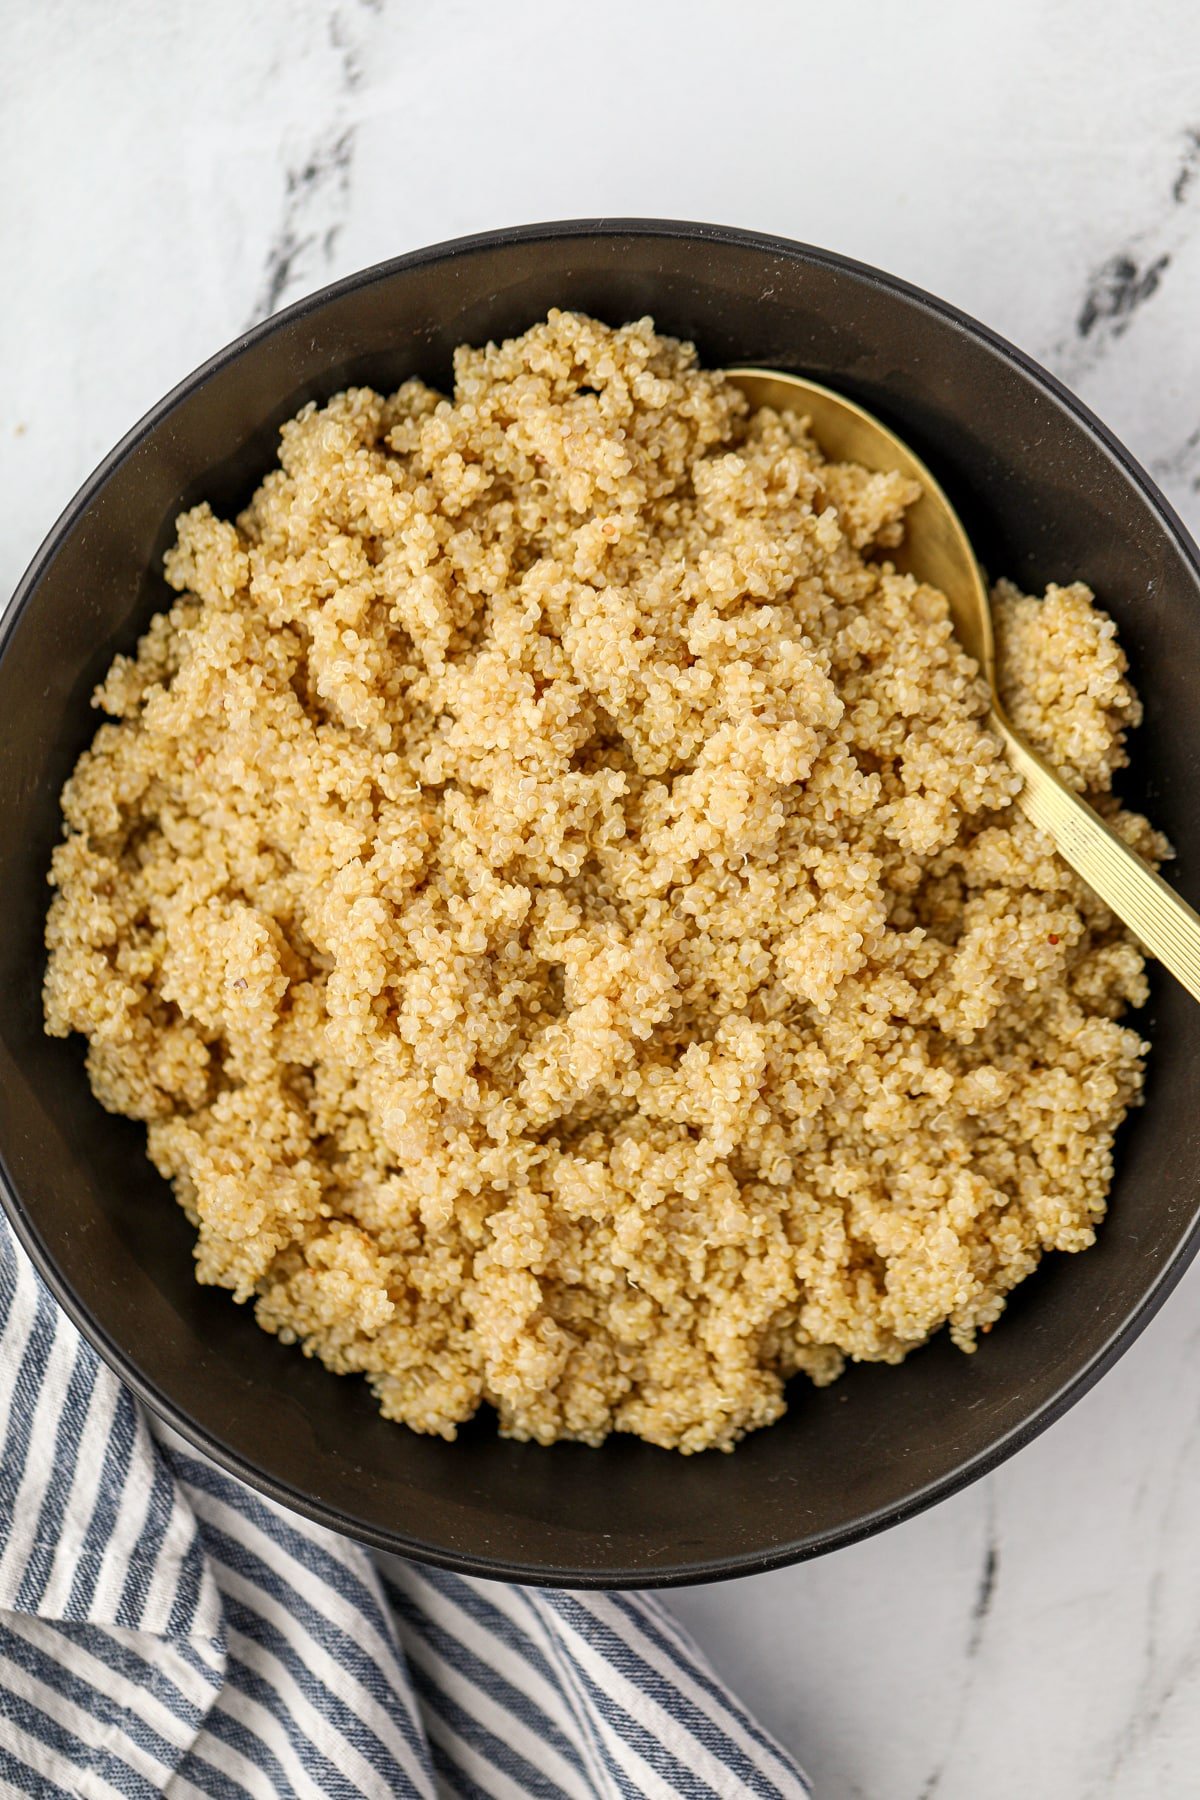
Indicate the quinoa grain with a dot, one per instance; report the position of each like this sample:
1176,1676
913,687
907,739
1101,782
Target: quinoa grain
549,890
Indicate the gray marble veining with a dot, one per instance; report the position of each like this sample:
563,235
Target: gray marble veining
168,176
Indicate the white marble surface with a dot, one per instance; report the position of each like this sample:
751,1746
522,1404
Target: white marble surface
170,173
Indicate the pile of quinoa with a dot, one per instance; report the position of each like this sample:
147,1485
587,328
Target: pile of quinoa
548,887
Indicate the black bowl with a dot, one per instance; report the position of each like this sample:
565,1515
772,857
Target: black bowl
1048,495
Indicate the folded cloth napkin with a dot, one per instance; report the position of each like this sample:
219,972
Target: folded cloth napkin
165,1630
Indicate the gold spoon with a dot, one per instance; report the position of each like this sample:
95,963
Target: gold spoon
937,550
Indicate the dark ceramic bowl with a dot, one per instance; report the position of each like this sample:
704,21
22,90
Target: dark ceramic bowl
1048,495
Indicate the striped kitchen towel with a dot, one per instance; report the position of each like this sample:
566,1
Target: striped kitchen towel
165,1630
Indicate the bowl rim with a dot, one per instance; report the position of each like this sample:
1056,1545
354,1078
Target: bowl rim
172,1412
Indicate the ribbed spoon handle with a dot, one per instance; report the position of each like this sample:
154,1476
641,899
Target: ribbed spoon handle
1154,912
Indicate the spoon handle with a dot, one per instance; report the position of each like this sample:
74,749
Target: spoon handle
1166,925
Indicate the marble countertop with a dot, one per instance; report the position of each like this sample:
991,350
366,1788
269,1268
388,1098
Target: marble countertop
172,174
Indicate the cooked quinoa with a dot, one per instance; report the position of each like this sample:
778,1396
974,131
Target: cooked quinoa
549,889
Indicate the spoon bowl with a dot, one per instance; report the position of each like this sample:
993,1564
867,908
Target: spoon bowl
937,550
936,547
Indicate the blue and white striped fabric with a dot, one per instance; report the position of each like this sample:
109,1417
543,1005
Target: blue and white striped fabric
165,1630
